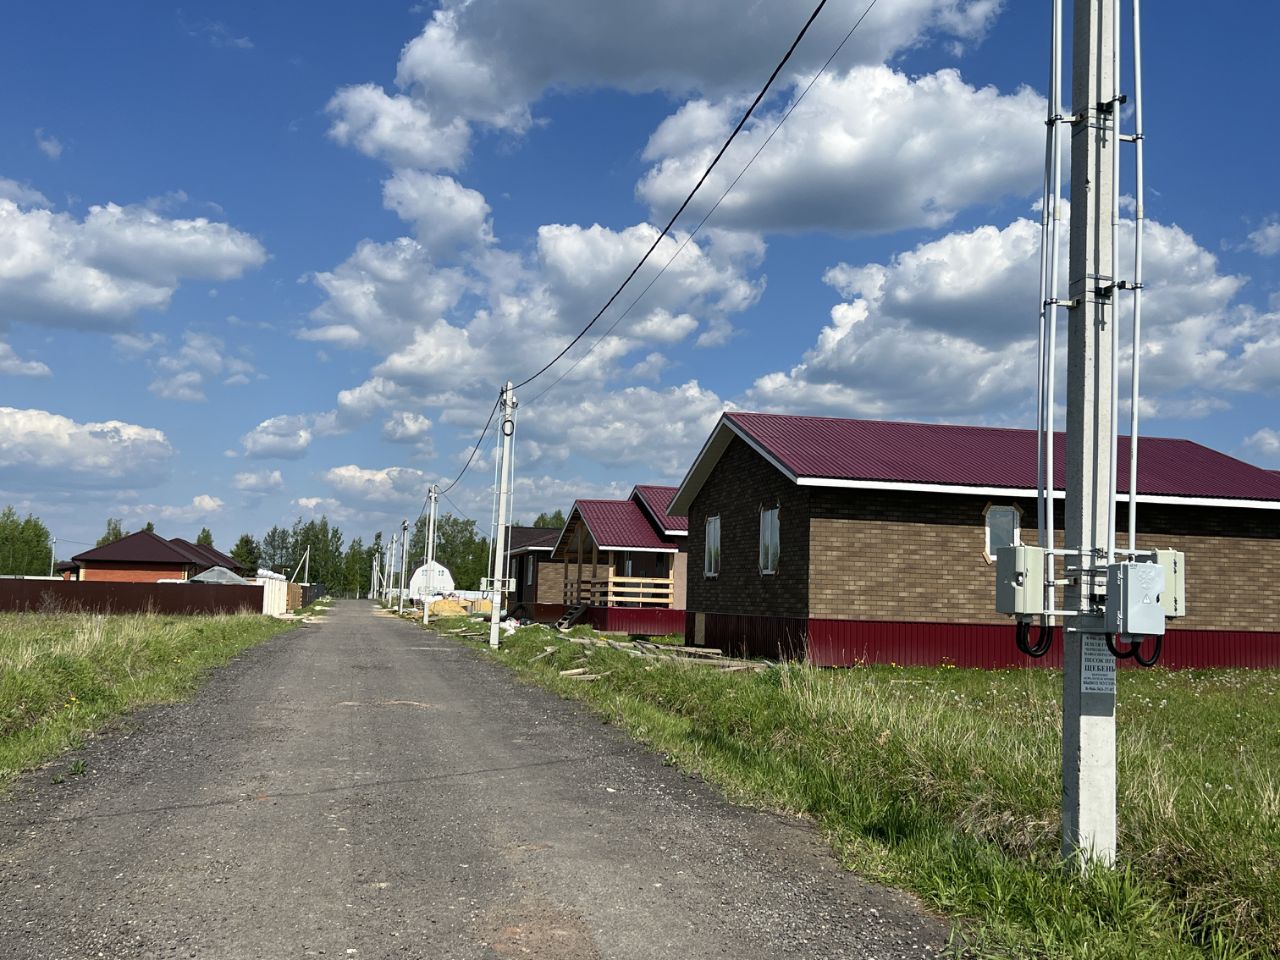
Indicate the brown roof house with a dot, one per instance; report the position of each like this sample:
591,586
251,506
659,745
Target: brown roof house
146,557
539,581
625,562
853,541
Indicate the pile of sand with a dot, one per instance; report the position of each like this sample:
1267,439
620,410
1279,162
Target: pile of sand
448,608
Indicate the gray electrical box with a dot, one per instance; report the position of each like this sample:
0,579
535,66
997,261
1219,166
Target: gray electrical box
1020,580
1174,598
1134,604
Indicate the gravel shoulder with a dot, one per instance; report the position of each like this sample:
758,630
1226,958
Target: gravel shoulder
362,788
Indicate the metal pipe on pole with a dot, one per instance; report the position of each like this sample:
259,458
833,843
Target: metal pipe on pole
508,427
1089,700
430,555
1138,220
404,555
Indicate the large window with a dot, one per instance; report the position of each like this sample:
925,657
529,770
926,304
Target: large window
711,555
530,564
1001,529
770,547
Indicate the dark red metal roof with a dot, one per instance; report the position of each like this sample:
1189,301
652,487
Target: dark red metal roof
141,547
205,556
658,500
620,525
533,538
944,454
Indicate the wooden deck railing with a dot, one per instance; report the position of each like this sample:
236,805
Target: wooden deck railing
615,591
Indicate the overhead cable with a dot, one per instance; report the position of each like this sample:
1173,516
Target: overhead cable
675,216
479,440
679,250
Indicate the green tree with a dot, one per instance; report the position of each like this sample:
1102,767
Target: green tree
277,548
461,550
25,549
114,532
357,567
149,527
247,552
204,538
552,521
326,561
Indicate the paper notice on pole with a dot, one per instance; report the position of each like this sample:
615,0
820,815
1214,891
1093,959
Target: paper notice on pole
1097,667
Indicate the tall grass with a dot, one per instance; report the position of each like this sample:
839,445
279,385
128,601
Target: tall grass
947,782
64,675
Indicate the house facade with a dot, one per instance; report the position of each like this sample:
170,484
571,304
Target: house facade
539,580
847,541
625,562
146,557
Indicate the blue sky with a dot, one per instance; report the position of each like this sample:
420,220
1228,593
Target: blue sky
261,261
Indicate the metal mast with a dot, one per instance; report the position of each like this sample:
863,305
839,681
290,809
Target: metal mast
404,554
1089,700
430,557
498,580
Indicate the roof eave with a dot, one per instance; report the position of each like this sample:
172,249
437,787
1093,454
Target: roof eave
725,430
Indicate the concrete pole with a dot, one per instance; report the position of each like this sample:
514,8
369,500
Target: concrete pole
53,552
1089,699
373,576
508,426
388,568
404,556
306,569
430,556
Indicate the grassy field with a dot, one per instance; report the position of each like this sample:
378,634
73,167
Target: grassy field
946,782
64,675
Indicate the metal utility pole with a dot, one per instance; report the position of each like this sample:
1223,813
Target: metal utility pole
508,425
429,556
404,553
1089,680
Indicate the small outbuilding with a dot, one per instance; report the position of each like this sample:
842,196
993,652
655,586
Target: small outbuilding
856,541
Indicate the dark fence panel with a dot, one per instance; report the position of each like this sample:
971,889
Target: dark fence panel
311,592
108,597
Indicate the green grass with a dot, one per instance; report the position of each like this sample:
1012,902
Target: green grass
65,675
947,782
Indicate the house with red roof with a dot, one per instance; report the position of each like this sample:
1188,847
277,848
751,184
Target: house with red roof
857,541
625,562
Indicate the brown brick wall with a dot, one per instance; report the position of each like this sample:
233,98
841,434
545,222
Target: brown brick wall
131,573
919,557
680,581
548,583
742,482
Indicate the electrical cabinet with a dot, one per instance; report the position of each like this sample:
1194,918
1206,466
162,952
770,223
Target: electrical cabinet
1020,580
1134,604
1174,598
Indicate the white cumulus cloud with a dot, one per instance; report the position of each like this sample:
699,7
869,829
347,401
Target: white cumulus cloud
39,448
284,437
262,481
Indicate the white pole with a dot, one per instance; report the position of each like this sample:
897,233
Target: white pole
404,555
53,552
388,567
1114,271
508,426
306,570
1051,346
373,575
429,563
1139,217
1089,699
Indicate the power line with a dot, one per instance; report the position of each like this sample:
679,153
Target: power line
479,440
675,216
679,250
463,513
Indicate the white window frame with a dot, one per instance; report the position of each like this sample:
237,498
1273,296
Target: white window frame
770,536
988,553
711,548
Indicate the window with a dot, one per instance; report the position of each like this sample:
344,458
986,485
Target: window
770,546
1000,529
711,556
530,564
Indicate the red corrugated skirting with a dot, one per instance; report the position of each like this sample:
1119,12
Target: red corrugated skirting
842,643
650,621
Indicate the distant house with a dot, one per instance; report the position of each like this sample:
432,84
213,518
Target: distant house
539,581
851,541
625,562
146,557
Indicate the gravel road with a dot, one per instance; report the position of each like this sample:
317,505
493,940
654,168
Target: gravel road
362,788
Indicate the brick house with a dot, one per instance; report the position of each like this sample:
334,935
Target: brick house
539,581
625,562
145,557
850,541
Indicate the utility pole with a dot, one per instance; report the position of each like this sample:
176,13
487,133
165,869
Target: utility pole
429,558
306,570
53,552
404,553
387,569
508,425
1089,692
373,576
